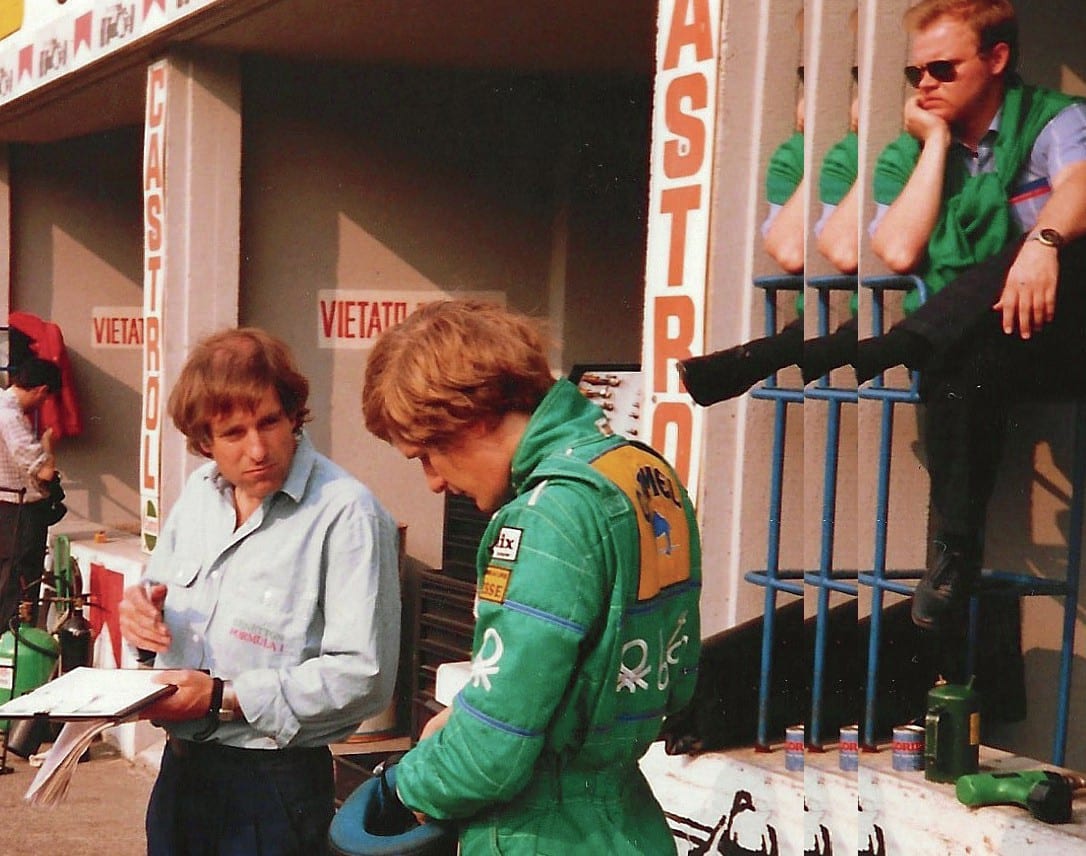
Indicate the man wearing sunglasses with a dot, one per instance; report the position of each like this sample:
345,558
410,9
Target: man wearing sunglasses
984,196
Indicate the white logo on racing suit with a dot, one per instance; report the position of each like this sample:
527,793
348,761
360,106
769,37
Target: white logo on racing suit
632,678
483,667
671,656
507,544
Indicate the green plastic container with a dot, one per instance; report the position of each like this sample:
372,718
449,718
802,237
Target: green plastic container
952,732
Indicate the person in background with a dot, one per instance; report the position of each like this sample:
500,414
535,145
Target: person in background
272,601
984,196
27,465
589,573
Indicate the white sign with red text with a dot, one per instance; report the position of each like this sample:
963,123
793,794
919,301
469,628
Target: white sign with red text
154,282
353,319
117,327
681,163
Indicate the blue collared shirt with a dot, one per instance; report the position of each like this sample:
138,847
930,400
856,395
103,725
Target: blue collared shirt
299,606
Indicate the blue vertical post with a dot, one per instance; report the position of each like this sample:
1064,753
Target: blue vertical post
878,579
827,578
1070,595
771,578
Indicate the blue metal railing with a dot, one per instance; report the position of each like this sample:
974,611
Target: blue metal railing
827,579
879,579
772,577
1027,585
1018,584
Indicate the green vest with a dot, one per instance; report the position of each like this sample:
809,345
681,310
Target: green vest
975,220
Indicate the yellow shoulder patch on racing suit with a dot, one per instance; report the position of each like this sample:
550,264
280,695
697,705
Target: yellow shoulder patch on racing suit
661,521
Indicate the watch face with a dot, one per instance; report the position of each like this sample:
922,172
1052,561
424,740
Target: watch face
1050,237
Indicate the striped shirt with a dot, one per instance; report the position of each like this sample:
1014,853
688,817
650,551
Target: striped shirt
21,454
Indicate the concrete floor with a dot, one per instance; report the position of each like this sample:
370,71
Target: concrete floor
101,816
103,812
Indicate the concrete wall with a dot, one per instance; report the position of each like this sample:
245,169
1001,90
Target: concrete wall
759,92
77,244
756,112
428,181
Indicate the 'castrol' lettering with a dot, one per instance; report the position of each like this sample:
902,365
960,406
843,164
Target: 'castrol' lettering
154,254
680,194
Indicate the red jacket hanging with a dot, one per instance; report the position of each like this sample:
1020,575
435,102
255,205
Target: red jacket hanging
61,411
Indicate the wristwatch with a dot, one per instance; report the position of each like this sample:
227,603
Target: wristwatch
228,704
1049,237
222,708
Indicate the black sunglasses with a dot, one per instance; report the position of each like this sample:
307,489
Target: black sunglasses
942,70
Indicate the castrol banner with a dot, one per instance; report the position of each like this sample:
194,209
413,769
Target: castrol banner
681,158
154,281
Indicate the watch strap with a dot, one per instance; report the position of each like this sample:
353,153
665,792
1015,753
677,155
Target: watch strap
228,707
211,718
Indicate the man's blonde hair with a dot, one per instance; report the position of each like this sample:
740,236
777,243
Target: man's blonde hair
232,370
449,365
993,21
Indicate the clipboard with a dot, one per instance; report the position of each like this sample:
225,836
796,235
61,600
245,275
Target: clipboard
87,693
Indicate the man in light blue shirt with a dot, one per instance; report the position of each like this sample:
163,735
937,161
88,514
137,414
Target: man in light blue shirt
272,600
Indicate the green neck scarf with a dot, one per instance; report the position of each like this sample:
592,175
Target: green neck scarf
975,222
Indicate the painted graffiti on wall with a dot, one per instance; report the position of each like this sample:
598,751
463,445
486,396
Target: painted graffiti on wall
117,327
741,831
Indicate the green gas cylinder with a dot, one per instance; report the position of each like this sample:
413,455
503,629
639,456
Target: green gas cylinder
25,663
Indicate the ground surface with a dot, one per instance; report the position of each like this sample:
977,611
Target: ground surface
102,815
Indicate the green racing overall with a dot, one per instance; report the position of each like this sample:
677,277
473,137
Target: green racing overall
587,634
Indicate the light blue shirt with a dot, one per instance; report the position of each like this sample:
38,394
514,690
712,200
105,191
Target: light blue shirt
299,607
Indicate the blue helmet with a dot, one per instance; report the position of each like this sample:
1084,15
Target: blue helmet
373,822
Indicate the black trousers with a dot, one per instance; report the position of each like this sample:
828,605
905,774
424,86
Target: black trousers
975,372
23,533
215,800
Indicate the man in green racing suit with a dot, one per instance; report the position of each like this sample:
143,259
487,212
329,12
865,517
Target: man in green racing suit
589,573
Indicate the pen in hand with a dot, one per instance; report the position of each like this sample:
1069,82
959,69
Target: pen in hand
145,627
